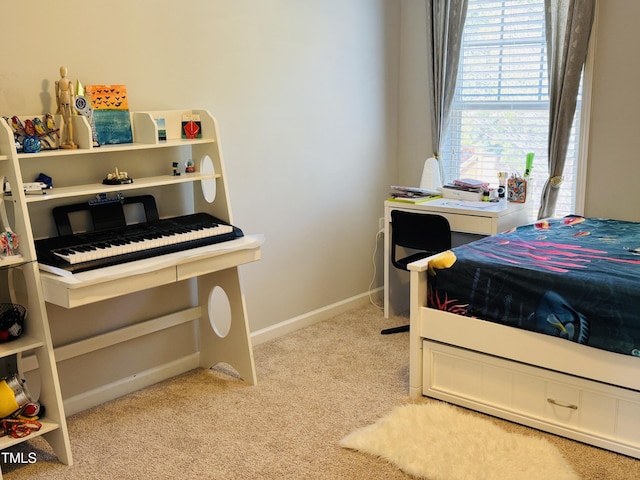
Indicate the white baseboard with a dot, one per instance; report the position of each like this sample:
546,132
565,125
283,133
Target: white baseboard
132,383
312,317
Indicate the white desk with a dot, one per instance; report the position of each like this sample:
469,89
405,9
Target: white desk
212,265
469,219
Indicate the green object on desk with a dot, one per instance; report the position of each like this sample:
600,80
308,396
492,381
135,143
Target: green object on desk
529,164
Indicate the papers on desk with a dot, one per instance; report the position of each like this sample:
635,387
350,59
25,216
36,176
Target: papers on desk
471,205
412,194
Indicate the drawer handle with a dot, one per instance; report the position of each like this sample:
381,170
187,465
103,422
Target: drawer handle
562,404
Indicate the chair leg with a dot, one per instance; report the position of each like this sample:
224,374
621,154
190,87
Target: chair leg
387,331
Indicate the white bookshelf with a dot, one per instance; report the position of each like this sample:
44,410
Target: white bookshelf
77,178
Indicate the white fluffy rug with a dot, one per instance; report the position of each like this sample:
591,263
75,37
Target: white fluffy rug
437,441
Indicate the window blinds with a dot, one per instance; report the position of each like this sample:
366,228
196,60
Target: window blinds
501,104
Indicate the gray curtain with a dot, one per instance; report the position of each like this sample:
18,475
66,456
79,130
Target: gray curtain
445,22
568,27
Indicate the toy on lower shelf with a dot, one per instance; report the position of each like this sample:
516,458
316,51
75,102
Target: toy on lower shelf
19,413
117,178
12,318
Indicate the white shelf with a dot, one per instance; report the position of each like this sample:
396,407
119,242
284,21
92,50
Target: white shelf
21,344
47,426
11,260
96,188
123,147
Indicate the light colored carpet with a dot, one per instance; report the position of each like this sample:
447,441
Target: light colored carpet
315,386
440,442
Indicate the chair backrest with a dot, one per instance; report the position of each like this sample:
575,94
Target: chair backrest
420,231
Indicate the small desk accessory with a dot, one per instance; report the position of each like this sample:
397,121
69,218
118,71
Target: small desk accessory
517,190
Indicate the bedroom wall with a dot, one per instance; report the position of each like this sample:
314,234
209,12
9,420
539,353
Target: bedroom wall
305,97
305,94
613,168
614,163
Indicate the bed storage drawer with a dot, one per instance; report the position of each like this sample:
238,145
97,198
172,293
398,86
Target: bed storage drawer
573,407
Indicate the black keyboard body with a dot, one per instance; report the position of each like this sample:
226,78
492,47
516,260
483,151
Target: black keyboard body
46,248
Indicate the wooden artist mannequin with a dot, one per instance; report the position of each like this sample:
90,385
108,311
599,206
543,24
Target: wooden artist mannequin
64,99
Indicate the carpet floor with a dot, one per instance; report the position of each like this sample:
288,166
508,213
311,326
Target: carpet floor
315,386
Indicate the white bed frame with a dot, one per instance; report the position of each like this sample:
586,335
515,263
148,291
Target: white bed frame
551,384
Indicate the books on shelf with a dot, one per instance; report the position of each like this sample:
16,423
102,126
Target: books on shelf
412,194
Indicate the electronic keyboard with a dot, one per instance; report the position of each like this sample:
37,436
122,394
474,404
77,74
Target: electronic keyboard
80,252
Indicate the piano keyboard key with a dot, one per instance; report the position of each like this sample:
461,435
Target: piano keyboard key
105,249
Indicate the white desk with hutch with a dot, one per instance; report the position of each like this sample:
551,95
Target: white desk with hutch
468,220
96,335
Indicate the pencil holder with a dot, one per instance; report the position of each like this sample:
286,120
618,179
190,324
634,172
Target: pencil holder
517,190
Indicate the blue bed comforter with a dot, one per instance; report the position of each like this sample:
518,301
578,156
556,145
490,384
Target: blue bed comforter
576,278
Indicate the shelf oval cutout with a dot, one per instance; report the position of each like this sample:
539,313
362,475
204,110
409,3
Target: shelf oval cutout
219,312
208,185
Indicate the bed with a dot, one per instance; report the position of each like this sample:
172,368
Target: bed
538,325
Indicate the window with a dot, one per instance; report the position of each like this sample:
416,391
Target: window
500,109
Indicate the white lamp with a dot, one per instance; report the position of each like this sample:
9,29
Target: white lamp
431,179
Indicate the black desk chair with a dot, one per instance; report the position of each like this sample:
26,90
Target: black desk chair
427,233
